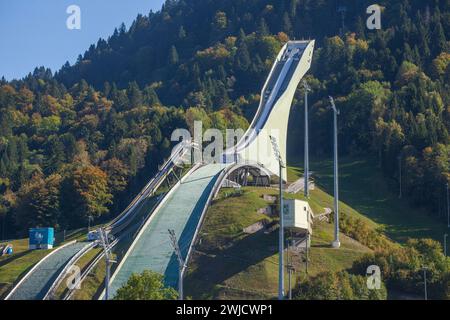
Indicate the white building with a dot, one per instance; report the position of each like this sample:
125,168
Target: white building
298,216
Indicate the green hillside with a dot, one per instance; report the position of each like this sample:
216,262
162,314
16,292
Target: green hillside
77,143
229,264
366,189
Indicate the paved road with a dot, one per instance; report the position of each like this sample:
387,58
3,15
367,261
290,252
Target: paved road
181,212
39,282
299,185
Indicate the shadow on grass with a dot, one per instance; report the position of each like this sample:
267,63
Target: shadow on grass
363,187
215,267
14,257
9,286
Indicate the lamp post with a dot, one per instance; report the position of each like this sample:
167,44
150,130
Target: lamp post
400,195
445,244
425,281
107,252
307,89
448,208
181,263
277,153
89,223
290,270
336,243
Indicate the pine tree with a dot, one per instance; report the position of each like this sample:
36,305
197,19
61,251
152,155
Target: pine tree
23,150
151,97
287,25
293,8
173,56
134,95
263,29
13,155
106,89
439,41
243,57
360,28
56,155
3,168
181,33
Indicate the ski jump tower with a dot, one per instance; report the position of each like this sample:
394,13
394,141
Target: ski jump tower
272,116
185,205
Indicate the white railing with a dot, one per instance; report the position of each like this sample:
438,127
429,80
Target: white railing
148,221
62,274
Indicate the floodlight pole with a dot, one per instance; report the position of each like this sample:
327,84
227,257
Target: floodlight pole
336,243
400,195
277,153
181,262
290,269
307,88
448,208
308,243
105,243
281,237
89,223
445,244
425,281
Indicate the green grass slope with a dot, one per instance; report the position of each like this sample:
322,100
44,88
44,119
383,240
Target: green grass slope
364,187
229,264
15,266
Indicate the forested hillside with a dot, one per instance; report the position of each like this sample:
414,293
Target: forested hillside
77,143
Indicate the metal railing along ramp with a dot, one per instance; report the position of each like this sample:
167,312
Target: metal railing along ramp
38,281
181,212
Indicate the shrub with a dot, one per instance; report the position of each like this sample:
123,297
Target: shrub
337,286
148,285
401,268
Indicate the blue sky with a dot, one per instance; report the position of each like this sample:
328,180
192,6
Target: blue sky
34,33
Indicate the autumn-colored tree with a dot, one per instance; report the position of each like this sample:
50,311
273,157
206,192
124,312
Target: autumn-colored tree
117,173
86,194
38,203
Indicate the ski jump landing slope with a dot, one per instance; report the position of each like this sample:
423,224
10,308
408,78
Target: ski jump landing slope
181,211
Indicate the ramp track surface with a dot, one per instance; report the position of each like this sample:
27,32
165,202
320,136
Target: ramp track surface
181,212
36,285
